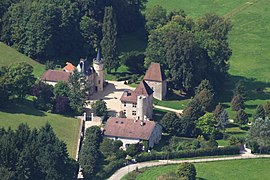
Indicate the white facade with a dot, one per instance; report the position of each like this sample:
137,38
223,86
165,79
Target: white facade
143,107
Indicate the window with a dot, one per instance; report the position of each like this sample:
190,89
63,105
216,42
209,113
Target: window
134,105
125,112
125,104
133,113
98,81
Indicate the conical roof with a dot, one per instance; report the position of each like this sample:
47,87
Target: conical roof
99,57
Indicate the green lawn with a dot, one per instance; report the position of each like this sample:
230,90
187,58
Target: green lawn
9,55
247,169
66,128
122,71
174,104
249,41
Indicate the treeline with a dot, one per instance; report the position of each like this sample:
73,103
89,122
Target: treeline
50,30
190,50
34,154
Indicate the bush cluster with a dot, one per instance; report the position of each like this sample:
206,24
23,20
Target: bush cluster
230,150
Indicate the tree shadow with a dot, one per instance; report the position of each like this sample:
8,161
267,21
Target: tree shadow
255,90
24,107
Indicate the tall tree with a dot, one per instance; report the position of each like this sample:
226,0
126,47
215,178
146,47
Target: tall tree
171,123
237,103
241,117
99,108
34,154
90,154
78,91
267,109
108,42
259,113
222,116
155,16
259,135
19,79
207,125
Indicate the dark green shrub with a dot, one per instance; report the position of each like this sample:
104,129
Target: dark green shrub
186,170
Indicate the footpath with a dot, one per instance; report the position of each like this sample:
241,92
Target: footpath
123,171
179,111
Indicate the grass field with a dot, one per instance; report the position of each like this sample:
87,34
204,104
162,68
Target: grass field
247,169
9,55
249,40
66,128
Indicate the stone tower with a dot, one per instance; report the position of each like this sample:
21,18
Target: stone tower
98,66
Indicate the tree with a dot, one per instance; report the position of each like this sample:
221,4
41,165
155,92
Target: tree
186,171
155,16
99,108
207,124
134,60
259,113
170,123
89,30
240,89
191,50
44,95
132,149
218,110
222,120
90,155
266,108
259,135
237,103
18,80
78,90
36,29
32,154
109,147
241,117
61,89
221,116
61,105
108,42
204,85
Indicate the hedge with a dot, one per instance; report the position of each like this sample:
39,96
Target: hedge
229,150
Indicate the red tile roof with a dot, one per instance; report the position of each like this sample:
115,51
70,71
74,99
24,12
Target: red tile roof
131,96
55,76
69,67
154,73
127,128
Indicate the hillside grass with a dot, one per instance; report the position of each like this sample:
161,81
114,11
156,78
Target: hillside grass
248,169
66,128
249,40
9,56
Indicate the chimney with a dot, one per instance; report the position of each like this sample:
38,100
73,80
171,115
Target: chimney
92,116
135,120
84,116
144,118
142,123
